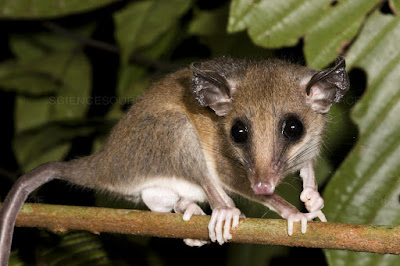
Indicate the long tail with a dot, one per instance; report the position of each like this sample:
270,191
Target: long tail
16,198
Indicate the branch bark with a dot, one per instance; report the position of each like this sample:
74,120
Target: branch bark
367,238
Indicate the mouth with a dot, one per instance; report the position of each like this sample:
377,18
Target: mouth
263,188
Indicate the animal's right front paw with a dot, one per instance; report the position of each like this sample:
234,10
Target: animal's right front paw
221,220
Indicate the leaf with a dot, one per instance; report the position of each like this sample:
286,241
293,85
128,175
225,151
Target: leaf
58,75
366,188
334,30
35,71
14,260
142,23
68,76
271,23
40,9
76,248
210,27
132,79
73,98
206,23
28,47
47,143
26,79
326,28
31,113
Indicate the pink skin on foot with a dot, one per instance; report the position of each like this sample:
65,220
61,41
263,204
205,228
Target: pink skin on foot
221,220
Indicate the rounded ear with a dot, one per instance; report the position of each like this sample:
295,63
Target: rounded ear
327,86
211,87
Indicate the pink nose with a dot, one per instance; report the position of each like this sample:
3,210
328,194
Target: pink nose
262,188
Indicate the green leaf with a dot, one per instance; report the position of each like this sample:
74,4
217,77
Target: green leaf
64,73
76,248
334,30
50,142
366,188
132,79
31,113
326,28
58,75
206,23
27,79
275,23
73,98
68,78
14,260
142,23
210,27
28,47
40,9
127,76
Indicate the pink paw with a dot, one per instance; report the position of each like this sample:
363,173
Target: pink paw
193,209
312,199
303,218
195,242
221,220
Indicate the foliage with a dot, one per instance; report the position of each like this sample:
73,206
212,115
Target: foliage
71,68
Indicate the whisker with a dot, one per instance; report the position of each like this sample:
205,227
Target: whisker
282,152
265,213
290,169
303,152
302,157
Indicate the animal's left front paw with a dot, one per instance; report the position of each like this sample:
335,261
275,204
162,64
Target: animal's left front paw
221,220
312,199
303,218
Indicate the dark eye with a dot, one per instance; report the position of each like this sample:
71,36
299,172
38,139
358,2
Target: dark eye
292,128
239,132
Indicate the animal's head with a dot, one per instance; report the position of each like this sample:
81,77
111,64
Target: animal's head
273,112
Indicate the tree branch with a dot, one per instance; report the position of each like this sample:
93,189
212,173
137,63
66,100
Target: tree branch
367,238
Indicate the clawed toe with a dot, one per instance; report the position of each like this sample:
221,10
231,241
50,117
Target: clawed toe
220,224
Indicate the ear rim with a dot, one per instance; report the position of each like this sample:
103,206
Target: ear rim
340,64
323,104
210,78
221,107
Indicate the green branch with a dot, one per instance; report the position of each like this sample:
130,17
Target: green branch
367,238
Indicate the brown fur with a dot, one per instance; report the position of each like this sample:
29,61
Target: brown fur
164,131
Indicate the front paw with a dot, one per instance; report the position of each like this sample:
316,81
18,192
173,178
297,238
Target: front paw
312,199
221,220
303,218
